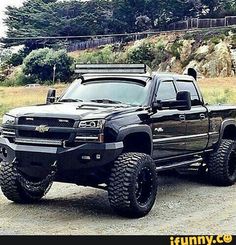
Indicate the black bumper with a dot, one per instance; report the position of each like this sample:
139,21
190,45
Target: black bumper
37,161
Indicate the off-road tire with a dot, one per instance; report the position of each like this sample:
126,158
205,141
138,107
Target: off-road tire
222,164
15,191
127,196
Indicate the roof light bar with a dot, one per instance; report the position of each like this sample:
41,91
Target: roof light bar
111,68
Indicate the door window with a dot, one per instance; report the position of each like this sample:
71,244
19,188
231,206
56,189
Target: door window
166,91
189,86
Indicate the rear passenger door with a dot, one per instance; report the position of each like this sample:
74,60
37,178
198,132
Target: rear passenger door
196,118
168,125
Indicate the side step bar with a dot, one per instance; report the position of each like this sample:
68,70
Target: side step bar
179,164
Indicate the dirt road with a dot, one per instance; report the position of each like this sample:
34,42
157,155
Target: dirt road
185,204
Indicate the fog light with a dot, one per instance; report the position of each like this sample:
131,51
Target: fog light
87,158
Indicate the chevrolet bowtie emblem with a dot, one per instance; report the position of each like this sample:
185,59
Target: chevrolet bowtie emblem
159,130
42,129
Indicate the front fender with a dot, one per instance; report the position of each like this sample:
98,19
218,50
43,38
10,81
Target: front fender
224,124
131,129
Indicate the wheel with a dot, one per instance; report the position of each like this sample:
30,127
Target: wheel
16,191
222,164
133,185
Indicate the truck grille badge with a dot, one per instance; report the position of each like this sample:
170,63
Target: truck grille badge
159,130
42,129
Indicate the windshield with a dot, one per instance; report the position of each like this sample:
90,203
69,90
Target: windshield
108,91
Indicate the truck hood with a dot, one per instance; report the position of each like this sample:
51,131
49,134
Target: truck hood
75,111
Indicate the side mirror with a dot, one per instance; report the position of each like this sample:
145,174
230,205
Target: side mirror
51,96
156,105
182,102
183,99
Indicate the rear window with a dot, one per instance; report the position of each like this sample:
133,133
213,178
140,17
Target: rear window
189,86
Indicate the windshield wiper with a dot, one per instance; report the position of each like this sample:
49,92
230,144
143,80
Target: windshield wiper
70,100
106,101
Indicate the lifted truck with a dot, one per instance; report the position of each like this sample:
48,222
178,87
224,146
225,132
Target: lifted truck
114,128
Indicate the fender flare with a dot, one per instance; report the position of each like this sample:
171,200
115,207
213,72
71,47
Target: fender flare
131,129
224,124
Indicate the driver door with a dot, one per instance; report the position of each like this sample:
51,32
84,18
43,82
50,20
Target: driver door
168,125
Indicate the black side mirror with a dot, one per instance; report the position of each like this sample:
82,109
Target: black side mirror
156,105
51,96
183,100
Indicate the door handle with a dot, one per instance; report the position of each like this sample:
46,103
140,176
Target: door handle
202,116
182,117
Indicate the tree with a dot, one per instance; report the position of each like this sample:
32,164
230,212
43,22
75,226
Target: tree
5,55
39,64
37,18
219,8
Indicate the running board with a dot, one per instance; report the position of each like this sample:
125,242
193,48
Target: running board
179,164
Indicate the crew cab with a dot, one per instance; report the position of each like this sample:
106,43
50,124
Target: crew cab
116,127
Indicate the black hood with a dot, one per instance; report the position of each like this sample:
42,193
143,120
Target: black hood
75,111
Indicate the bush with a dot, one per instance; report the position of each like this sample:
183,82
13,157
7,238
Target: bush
5,55
142,53
233,43
104,55
39,65
176,49
17,78
17,59
161,55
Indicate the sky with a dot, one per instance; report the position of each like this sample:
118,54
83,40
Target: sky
3,5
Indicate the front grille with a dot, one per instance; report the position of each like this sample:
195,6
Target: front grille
46,135
50,122
8,132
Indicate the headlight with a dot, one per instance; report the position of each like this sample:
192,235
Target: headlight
7,119
92,124
88,136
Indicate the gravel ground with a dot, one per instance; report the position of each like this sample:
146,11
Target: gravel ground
185,205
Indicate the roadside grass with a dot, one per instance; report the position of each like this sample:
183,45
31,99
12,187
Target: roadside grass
12,97
215,91
219,90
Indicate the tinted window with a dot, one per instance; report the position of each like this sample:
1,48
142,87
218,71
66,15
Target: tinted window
189,86
166,91
123,91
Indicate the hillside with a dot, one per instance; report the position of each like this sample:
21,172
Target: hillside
211,53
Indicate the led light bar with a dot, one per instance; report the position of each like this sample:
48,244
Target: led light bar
38,141
111,68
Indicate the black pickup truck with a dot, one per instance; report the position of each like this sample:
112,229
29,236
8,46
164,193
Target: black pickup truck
115,128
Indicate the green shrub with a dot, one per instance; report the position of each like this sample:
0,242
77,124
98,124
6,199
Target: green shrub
18,78
143,53
234,41
160,54
15,60
5,55
104,55
215,40
39,64
176,49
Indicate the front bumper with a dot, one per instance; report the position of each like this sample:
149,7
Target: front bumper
37,161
